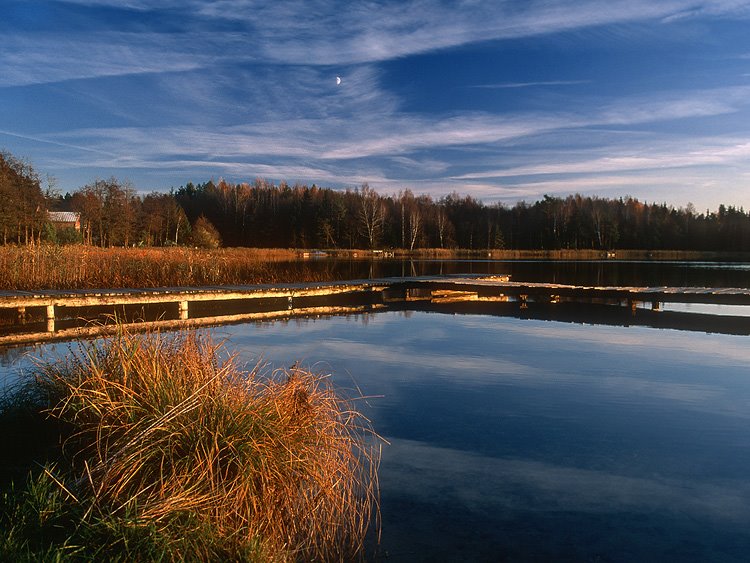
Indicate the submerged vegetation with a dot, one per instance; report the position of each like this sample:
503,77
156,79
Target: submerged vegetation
167,451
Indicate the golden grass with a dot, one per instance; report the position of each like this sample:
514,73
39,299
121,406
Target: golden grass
80,267
165,428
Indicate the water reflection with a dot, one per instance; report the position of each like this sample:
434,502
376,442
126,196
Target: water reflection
708,309
522,439
573,272
517,509
526,439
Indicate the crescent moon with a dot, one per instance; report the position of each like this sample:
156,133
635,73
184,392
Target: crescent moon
338,80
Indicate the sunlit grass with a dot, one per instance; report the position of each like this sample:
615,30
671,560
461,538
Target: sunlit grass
171,452
79,266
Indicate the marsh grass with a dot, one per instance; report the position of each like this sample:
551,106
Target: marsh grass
80,267
169,451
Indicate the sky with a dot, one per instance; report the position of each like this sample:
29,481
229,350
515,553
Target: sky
504,100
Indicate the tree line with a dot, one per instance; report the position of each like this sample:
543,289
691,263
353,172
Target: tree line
263,214
266,215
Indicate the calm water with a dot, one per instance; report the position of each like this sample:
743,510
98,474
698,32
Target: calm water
519,440
583,272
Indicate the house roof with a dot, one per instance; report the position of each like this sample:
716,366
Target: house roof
63,216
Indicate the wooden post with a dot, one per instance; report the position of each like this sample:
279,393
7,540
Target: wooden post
183,308
50,318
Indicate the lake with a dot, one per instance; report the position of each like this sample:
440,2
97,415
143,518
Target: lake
573,272
522,439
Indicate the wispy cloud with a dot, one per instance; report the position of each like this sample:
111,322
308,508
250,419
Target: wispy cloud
339,140
248,88
696,152
360,32
38,139
514,85
318,33
57,58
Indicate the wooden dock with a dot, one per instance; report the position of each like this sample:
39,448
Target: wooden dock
63,314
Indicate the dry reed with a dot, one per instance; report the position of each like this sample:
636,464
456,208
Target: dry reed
165,429
79,267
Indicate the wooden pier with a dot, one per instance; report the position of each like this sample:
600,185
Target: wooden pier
63,313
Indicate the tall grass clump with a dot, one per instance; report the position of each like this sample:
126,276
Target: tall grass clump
173,453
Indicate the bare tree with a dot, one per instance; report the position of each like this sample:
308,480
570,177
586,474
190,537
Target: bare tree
442,224
415,225
372,214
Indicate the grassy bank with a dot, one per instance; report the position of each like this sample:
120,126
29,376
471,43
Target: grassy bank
159,448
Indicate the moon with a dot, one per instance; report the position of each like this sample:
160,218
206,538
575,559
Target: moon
338,80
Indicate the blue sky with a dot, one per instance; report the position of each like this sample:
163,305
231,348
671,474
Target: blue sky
503,100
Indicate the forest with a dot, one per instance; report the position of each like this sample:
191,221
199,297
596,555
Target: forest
267,215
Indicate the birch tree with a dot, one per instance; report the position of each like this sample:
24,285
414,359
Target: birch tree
371,214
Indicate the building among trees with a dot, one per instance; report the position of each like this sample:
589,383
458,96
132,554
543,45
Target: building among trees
65,219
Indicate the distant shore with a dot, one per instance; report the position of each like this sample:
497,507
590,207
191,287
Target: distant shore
541,254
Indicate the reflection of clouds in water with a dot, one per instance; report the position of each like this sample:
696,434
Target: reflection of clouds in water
428,347
392,370
697,348
423,472
700,347
17,363
325,327
695,395
708,309
716,266
375,322
458,366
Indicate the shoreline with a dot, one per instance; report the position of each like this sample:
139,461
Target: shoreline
77,267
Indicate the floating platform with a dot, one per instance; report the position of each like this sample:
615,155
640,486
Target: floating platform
54,314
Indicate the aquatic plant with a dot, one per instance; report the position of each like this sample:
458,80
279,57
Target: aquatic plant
171,451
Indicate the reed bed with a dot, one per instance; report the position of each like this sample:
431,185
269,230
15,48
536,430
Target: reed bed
79,267
174,453
86,267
